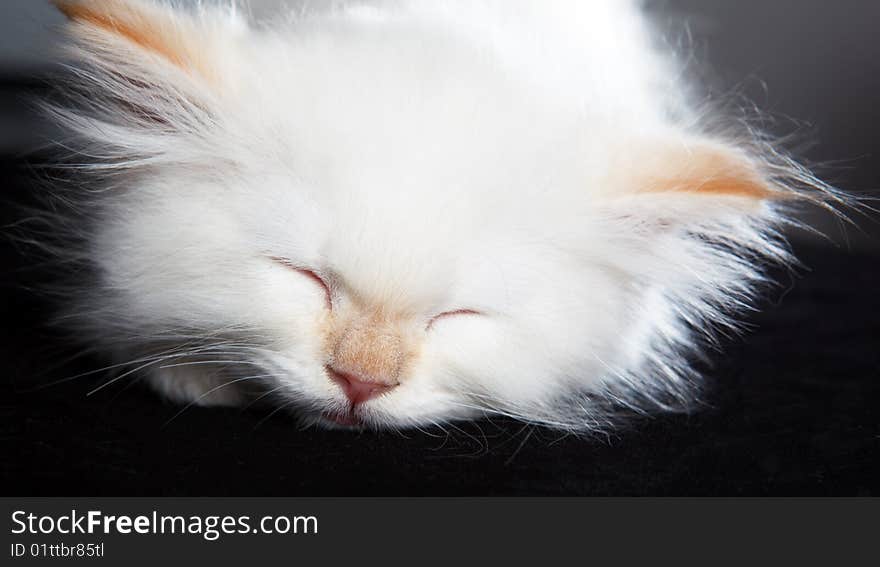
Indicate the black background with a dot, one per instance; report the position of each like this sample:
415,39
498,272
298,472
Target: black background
791,408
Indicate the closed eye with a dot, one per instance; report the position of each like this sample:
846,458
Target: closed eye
311,274
447,314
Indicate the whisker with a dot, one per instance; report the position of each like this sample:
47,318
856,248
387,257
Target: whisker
121,376
211,391
212,362
276,410
265,394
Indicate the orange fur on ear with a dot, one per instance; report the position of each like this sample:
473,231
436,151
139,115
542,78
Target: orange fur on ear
706,169
145,26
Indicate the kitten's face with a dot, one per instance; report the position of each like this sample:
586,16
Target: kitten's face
384,221
409,283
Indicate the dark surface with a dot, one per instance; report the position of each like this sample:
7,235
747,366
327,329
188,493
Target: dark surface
791,409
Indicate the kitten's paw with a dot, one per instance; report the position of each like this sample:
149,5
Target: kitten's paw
197,386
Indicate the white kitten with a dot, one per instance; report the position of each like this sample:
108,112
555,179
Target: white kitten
396,213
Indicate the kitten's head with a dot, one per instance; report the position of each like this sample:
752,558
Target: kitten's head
384,224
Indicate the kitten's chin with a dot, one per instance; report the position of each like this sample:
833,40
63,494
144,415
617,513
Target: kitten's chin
360,418
351,417
354,420
342,420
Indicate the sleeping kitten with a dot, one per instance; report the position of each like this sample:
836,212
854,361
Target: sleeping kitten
398,213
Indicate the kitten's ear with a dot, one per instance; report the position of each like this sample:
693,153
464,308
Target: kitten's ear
693,182
151,37
703,169
145,75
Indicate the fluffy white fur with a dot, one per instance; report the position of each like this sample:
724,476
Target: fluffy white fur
538,162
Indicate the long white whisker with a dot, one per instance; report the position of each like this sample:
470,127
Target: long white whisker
211,391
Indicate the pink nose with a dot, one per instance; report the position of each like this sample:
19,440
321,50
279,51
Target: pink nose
358,390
